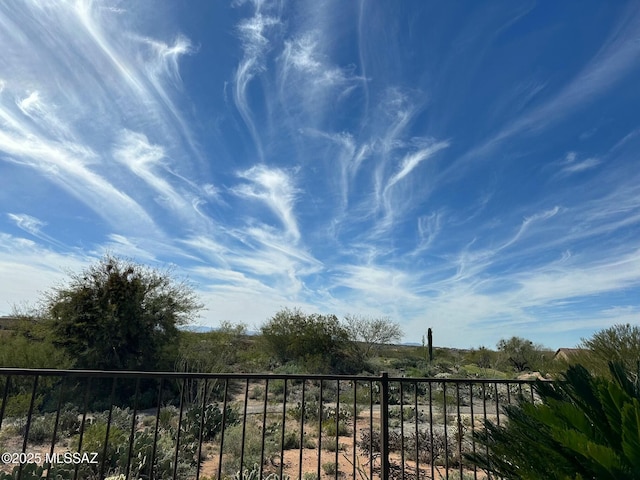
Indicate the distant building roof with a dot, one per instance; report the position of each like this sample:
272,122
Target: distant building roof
7,323
567,353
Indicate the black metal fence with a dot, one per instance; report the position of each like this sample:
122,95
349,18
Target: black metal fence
72,424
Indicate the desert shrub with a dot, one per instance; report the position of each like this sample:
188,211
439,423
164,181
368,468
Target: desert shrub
312,411
291,440
121,418
619,343
18,404
309,443
212,422
426,446
330,468
164,457
42,426
522,355
334,429
318,343
257,392
168,417
253,473
119,315
482,357
30,346
252,444
117,453
33,471
361,393
332,445
408,414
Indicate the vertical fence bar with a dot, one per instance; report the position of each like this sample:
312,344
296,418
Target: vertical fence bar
384,426
473,429
431,449
484,413
497,403
302,408
27,427
201,431
531,391
520,395
370,429
244,427
446,437
25,440
157,428
224,424
459,426
4,398
108,429
56,423
85,407
417,419
133,427
337,426
5,395
320,414
284,417
402,429
264,425
355,420
182,402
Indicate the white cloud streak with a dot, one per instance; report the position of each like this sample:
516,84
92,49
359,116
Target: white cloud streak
275,188
252,33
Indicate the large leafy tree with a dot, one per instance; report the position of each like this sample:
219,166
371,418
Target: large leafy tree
119,315
312,341
521,354
369,333
582,427
619,343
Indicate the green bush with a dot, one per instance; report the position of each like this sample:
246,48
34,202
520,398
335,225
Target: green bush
117,452
619,343
583,427
331,429
330,468
42,426
18,405
332,445
212,422
318,343
291,440
20,350
252,444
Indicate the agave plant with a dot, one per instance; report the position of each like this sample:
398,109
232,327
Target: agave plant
583,427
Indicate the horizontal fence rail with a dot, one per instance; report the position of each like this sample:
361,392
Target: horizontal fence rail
75,424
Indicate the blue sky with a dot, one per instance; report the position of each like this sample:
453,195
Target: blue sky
466,166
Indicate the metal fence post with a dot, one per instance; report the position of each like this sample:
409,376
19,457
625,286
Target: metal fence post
384,426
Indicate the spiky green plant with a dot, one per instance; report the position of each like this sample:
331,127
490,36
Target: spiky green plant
583,427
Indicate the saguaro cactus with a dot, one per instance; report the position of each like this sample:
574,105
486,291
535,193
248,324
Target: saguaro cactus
430,343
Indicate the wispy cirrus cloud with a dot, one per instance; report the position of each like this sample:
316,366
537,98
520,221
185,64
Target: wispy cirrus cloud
255,44
275,188
65,117
27,223
616,57
572,165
